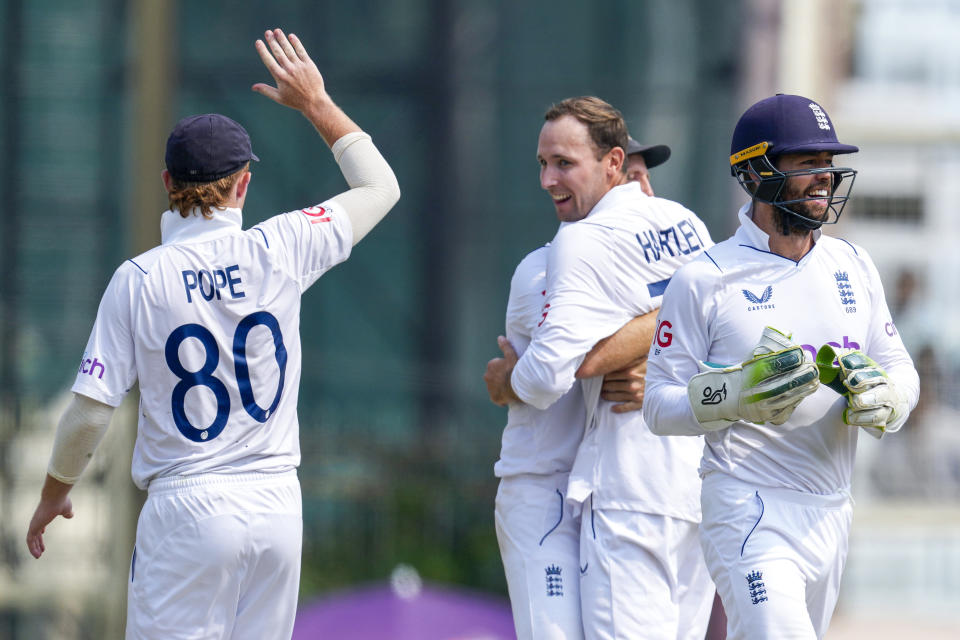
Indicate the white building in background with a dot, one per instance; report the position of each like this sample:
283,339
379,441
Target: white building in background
888,72
900,103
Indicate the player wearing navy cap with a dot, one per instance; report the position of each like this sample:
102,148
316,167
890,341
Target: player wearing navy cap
733,360
208,323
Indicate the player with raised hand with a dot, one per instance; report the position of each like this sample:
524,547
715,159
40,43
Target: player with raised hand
779,452
208,323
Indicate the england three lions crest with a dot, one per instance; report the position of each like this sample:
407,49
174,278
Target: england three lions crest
845,289
554,581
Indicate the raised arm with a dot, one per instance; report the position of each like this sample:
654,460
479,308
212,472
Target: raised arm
373,186
300,85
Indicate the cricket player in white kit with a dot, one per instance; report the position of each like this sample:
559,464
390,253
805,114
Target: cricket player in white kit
208,322
733,359
642,572
538,531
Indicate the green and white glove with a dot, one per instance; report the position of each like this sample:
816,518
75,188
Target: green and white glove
873,400
767,387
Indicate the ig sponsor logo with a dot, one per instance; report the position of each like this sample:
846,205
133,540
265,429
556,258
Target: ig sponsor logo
317,213
663,336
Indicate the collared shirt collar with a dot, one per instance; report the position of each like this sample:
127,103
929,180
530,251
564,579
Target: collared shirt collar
174,228
754,236
628,191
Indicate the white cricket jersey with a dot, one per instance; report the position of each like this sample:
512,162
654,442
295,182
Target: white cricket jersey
534,440
603,271
715,310
209,323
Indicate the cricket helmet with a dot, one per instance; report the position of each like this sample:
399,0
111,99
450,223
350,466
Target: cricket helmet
780,125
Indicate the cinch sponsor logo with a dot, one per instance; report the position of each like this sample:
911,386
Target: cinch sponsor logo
92,367
318,213
847,344
890,329
663,336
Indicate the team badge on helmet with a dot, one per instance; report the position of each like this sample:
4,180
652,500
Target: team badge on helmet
788,124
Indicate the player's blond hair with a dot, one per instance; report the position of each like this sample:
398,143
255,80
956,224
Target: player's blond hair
186,196
605,123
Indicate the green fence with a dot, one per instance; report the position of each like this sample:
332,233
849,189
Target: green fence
398,437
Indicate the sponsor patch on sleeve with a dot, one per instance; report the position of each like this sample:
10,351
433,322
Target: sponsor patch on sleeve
318,213
663,336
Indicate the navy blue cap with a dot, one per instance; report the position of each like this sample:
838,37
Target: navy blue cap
787,124
207,147
653,154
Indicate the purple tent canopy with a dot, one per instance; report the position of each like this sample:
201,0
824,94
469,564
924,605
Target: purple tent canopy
434,613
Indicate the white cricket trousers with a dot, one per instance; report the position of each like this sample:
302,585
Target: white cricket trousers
776,555
539,543
217,558
643,577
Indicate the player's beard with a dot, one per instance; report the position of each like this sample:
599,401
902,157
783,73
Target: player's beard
801,221
804,218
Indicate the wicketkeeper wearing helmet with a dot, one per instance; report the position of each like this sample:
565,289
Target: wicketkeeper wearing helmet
746,334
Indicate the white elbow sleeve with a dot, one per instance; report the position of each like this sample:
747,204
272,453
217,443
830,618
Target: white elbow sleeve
373,186
80,430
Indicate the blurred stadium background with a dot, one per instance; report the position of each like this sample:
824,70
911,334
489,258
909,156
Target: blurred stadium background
398,436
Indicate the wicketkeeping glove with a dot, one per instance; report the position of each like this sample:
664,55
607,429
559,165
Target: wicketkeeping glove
873,399
765,388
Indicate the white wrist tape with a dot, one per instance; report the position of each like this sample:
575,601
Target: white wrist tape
80,430
373,186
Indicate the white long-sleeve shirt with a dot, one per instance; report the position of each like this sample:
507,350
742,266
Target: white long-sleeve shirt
715,310
537,441
601,272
